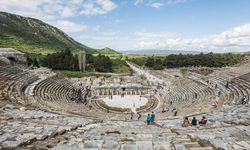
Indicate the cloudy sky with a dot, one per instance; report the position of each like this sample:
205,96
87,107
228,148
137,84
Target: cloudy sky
205,25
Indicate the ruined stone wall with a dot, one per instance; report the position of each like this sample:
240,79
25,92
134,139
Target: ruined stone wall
11,56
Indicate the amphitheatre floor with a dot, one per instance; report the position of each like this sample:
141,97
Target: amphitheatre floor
126,101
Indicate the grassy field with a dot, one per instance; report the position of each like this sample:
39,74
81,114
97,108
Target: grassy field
78,74
120,66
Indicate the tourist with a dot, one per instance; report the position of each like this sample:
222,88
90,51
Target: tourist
219,93
227,85
203,121
139,116
131,116
152,117
148,119
173,109
185,122
247,100
175,113
243,100
194,122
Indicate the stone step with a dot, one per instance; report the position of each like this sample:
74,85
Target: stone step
140,145
179,147
191,144
181,140
162,145
201,148
175,136
128,146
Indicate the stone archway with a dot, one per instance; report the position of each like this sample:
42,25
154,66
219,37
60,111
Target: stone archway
12,60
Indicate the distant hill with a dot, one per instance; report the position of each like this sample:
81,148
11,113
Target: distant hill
107,50
159,52
34,36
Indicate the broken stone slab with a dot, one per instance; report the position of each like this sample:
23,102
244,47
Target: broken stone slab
144,136
129,147
9,106
26,137
144,145
11,144
90,144
162,147
110,144
3,137
180,147
241,144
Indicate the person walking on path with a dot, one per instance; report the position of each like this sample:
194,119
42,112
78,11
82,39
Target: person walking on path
149,119
152,117
139,116
131,116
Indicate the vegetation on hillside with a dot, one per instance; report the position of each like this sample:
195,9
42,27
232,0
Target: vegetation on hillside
107,50
34,36
174,61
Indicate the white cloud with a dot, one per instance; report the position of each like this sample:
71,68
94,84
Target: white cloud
96,28
98,7
235,39
115,40
68,12
155,35
68,26
157,3
77,2
137,2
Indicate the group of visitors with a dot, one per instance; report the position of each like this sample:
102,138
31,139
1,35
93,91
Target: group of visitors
150,118
245,100
76,95
194,122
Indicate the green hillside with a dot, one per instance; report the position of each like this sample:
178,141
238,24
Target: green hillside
34,36
107,50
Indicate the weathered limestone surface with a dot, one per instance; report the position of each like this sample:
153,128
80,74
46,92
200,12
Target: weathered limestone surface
36,129
6,53
227,128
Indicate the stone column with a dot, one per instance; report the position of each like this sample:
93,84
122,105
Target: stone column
82,60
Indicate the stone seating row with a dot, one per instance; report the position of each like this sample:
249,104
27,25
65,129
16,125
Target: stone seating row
54,94
238,88
15,82
181,94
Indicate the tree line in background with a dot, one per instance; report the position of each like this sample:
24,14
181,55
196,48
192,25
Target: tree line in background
66,60
189,60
